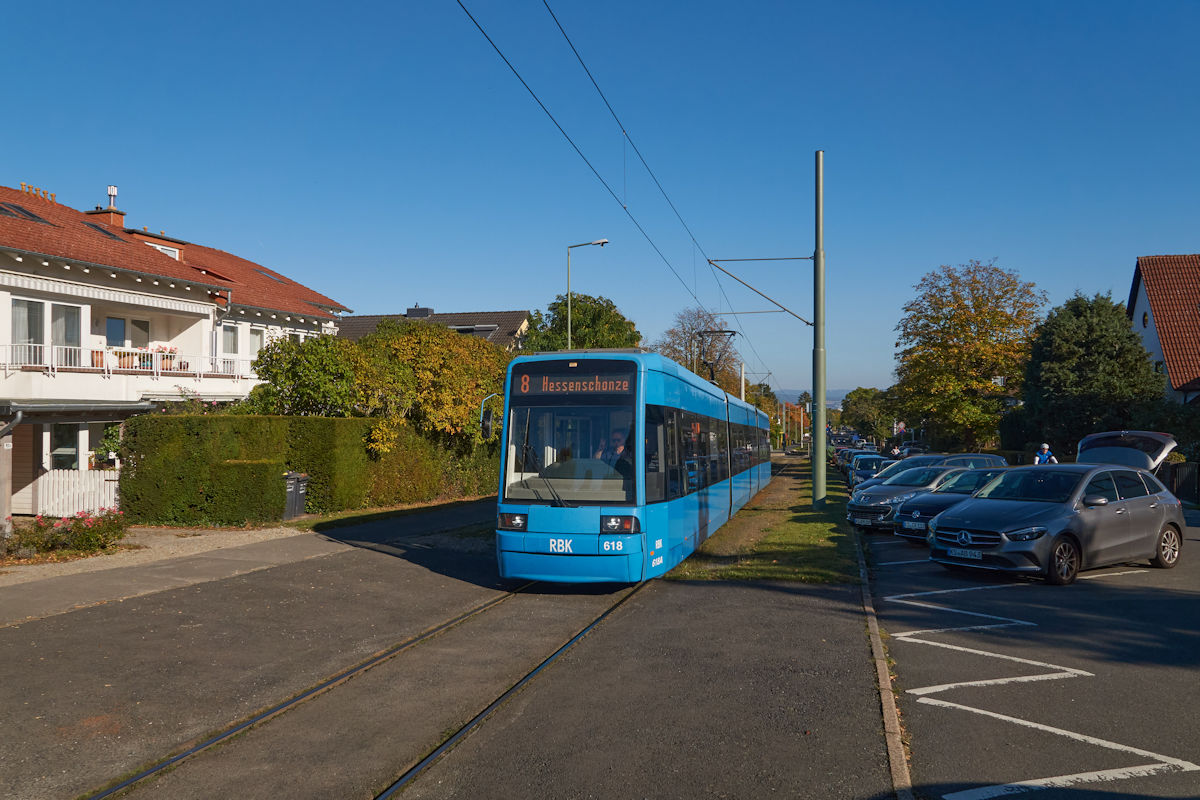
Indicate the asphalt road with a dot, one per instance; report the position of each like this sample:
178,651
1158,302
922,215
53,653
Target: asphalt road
689,689
1093,686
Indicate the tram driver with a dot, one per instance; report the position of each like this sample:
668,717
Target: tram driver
611,451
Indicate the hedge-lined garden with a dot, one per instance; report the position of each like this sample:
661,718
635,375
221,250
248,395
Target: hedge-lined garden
228,469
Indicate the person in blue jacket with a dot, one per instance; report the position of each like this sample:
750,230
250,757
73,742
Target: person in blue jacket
1044,456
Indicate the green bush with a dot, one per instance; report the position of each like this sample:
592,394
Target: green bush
332,452
228,469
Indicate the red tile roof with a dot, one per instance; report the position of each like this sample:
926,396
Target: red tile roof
67,234
256,286
1173,289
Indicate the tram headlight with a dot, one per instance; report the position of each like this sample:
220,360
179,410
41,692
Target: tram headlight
512,522
615,524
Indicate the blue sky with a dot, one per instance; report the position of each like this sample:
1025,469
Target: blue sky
383,154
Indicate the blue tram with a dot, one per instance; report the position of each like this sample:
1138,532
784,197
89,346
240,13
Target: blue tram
617,464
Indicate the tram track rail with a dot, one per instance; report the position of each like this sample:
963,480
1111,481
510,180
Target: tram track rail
475,722
311,692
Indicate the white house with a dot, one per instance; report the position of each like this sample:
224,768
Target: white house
1164,308
105,321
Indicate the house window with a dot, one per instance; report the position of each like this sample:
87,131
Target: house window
114,330
64,335
28,331
173,252
127,333
229,339
258,340
64,447
1145,318
139,333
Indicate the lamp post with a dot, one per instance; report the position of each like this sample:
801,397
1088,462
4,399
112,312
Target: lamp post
600,242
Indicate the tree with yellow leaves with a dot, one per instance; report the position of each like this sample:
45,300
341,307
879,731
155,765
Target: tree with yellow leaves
963,345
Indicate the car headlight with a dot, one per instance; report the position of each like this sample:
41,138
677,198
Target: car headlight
1026,534
900,498
856,497
931,526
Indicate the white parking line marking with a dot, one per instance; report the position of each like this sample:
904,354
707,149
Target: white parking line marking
1164,763
1061,782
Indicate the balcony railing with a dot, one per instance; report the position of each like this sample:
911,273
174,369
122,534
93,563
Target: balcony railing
122,361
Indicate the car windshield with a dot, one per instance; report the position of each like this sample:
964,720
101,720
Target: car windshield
871,462
893,470
967,482
918,476
1041,485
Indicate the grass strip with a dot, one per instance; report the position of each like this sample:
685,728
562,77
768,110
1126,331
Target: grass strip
778,536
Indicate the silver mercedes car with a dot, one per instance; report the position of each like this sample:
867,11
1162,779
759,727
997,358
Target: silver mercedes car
1055,520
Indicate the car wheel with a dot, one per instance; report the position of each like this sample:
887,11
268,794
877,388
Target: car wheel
1064,561
1166,551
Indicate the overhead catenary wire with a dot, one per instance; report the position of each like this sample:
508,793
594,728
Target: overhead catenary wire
637,224
574,146
627,138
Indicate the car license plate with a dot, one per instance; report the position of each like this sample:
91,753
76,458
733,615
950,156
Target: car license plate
916,526
862,520
958,552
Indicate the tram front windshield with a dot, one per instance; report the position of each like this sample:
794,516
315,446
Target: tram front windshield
570,436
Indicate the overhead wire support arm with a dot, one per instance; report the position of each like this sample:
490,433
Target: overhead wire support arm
756,291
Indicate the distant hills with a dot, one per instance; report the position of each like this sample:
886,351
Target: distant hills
833,397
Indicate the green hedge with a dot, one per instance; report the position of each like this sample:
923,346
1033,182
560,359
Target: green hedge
228,470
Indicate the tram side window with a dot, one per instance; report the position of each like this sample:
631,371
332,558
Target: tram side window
722,451
675,478
694,466
655,453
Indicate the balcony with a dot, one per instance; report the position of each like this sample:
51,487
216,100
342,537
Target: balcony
161,362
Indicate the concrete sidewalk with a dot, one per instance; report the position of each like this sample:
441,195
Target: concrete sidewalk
171,558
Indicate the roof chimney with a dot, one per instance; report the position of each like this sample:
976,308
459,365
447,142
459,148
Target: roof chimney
417,312
109,216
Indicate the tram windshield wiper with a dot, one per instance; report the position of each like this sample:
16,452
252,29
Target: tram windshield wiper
528,454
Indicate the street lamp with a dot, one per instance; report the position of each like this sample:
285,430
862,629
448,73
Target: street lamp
600,242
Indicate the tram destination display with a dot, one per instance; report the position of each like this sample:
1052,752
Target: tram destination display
585,380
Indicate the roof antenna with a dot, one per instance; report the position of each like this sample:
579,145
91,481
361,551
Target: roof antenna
112,196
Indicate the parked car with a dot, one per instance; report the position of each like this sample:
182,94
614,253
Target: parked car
843,457
1142,449
1055,520
912,516
876,507
900,466
865,466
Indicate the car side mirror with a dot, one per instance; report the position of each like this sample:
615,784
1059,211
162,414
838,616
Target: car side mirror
485,423
1095,500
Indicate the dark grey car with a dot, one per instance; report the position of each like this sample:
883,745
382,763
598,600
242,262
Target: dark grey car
876,507
1056,520
912,517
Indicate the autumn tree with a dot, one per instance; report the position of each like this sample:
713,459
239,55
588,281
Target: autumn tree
428,376
867,411
405,373
964,343
310,378
595,322
1088,371
692,343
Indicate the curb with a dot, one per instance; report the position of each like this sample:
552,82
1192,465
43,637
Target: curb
901,780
